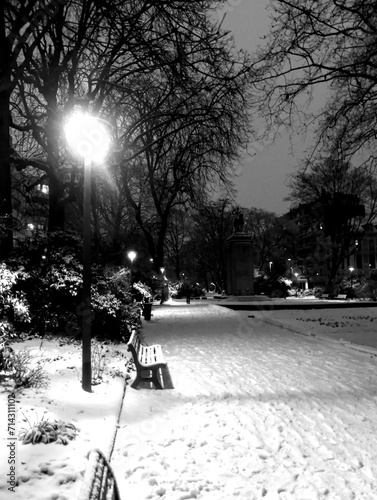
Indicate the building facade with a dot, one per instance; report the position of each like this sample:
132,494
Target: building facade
318,226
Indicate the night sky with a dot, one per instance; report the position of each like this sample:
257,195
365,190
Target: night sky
263,178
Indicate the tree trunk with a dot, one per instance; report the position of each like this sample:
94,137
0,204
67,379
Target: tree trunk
6,232
56,213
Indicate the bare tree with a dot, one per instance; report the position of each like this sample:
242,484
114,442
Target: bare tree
182,135
343,196
269,236
177,241
22,26
70,65
168,82
326,42
213,225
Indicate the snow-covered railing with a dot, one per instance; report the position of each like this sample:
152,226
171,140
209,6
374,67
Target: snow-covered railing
99,480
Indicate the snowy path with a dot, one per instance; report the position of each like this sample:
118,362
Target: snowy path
256,412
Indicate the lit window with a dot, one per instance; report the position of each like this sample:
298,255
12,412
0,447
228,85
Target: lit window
31,226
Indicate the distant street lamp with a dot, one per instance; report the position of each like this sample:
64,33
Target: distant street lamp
296,276
89,139
162,269
351,270
290,268
132,256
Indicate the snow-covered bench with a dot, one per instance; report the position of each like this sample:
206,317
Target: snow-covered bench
342,296
324,296
99,482
147,359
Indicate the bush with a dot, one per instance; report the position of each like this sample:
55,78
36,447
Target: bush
142,292
44,289
318,291
48,432
6,355
98,362
367,290
361,287
24,374
13,303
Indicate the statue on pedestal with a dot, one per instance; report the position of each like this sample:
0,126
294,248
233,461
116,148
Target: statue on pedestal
238,221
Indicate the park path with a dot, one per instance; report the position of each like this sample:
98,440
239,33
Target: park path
257,411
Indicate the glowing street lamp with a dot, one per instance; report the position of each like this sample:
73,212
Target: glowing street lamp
88,137
290,268
351,271
162,269
132,256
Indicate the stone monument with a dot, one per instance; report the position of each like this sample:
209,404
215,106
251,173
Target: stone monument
239,260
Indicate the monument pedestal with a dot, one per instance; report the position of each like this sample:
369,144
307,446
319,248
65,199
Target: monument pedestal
239,261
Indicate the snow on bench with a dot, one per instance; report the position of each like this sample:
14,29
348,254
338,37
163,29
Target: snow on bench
342,296
99,481
147,359
324,296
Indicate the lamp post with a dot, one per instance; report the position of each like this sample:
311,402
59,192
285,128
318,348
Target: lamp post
132,256
290,268
162,269
351,271
89,138
296,276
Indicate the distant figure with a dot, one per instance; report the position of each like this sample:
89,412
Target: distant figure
238,221
187,292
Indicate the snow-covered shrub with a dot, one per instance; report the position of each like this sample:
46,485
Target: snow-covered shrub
6,356
318,291
51,285
114,312
367,290
144,291
6,329
13,303
27,372
98,362
44,431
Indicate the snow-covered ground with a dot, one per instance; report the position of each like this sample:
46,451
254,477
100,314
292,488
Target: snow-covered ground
348,324
54,471
257,411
